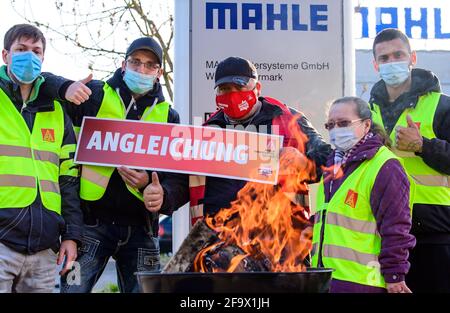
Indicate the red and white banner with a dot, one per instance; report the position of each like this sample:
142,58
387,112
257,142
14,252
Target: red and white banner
178,148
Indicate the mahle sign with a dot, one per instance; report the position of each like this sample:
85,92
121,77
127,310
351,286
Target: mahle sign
423,21
268,16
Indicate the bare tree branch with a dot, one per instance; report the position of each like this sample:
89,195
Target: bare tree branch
97,28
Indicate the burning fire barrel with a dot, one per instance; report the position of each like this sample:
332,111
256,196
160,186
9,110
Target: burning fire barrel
177,276
311,281
259,245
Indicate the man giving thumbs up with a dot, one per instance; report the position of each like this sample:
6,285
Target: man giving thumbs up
117,222
412,97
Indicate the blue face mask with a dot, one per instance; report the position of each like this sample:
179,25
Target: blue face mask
137,82
395,73
25,66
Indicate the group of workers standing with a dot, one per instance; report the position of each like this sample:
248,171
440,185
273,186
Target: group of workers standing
382,219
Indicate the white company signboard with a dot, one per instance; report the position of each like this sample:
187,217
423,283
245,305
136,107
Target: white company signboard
301,49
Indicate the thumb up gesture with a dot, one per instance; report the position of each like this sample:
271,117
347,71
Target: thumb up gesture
154,194
78,92
409,138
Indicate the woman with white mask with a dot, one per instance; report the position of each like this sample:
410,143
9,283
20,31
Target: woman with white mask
363,219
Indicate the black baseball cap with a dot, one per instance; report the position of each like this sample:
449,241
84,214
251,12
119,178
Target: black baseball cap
235,70
146,43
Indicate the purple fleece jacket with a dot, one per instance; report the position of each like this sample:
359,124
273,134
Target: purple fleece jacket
390,206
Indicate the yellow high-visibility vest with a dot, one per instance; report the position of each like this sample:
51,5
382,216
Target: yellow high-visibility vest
29,161
431,186
350,242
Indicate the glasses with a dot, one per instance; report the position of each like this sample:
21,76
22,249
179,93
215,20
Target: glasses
344,123
149,65
229,87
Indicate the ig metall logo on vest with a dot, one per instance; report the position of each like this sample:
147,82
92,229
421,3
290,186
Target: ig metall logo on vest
48,134
351,198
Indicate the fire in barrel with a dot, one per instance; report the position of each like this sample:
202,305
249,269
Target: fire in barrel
266,230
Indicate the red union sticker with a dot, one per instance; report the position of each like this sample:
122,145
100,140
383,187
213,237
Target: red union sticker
208,151
352,198
48,134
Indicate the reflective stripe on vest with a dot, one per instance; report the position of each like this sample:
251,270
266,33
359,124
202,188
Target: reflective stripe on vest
39,155
29,161
431,186
94,179
17,181
367,227
351,243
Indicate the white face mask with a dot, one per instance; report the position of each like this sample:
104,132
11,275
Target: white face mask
395,73
343,138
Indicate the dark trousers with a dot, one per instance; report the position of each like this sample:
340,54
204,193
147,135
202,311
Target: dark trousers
430,268
133,248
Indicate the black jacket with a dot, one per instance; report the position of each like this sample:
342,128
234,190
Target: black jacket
34,228
220,192
431,223
117,205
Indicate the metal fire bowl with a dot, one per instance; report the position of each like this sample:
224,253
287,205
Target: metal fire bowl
314,280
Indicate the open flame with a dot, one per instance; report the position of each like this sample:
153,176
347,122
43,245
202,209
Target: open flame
265,229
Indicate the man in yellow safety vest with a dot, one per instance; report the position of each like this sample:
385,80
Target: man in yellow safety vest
117,223
39,183
409,104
